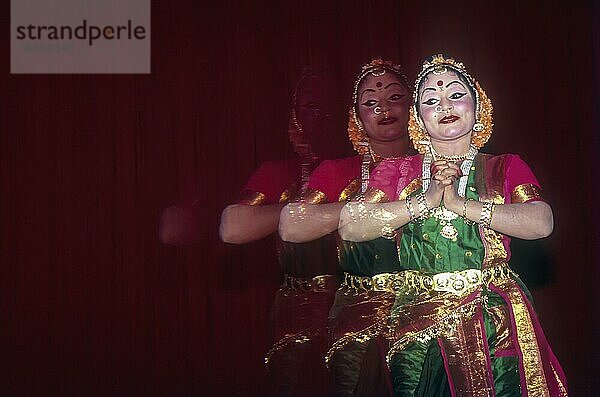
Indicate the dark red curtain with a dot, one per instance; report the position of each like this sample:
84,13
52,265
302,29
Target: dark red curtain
92,304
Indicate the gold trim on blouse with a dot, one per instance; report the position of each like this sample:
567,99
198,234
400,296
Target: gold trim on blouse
350,190
251,197
314,196
526,192
412,187
285,196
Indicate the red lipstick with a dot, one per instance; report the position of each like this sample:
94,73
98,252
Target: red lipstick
387,121
448,119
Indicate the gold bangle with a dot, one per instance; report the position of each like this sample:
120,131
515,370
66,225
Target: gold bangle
487,211
423,207
464,212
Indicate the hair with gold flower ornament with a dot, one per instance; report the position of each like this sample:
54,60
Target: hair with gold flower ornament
356,131
295,128
297,137
482,130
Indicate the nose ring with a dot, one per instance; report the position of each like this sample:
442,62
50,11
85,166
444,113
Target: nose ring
439,109
377,110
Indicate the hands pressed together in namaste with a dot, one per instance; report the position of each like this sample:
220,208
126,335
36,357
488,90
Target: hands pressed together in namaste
443,186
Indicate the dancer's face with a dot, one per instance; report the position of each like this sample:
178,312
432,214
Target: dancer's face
446,106
383,107
315,101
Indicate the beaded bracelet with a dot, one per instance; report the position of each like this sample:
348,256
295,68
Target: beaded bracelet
410,209
465,207
423,208
487,210
464,212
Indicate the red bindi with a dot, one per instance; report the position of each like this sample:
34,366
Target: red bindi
440,83
379,84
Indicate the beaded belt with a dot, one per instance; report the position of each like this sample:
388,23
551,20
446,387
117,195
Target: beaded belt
305,284
408,281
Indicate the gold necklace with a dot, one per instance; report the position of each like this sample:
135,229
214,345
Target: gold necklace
377,157
449,157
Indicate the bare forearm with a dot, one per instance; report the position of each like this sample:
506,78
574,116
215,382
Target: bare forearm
245,223
179,225
528,221
306,222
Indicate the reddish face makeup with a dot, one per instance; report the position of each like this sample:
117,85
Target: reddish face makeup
383,104
314,111
446,106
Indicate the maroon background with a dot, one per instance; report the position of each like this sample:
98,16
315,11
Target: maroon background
92,304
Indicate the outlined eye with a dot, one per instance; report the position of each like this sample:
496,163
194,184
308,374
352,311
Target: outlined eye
396,97
369,103
458,95
430,101
310,105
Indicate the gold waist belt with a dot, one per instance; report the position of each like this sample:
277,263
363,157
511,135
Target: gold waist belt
379,282
413,281
317,283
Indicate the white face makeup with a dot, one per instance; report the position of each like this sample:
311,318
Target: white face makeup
446,106
383,104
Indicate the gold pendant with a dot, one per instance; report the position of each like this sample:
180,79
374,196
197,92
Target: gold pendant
449,232
444,217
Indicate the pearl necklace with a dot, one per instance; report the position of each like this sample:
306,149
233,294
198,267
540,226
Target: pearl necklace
367,160
441,213
465,168
448,157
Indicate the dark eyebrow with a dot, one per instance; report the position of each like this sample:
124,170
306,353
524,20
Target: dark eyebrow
363,93
455,81
386,87
427,89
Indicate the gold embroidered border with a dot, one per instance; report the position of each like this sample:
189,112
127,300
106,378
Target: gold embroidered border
286,341
467,358
350,190
501,320
252,198
412,187
525,192
562,388
381,327
495,252
373,195
446,323
286,196
535,381
314,196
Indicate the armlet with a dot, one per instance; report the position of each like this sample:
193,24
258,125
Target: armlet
526,192
374,195
350,190
412,187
